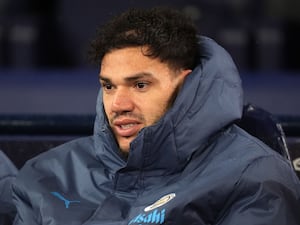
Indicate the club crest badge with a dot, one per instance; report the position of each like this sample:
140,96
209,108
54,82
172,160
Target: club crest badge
162,201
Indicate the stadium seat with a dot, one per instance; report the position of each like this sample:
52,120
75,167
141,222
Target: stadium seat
266,127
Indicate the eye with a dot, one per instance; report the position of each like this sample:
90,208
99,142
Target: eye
107,86
142,85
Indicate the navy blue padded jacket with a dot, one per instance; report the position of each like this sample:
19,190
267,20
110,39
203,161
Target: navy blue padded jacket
192,167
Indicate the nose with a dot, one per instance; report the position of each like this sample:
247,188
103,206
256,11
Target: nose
122,101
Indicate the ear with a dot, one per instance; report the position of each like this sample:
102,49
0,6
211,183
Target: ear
184,72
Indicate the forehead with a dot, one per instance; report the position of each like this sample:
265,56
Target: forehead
125,56
131,60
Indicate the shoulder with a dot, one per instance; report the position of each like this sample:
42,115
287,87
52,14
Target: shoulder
260,164
244,155
54,161
248,146
81,146
261,179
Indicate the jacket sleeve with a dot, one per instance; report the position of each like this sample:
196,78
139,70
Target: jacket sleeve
26,214
268,193
8,173
19,221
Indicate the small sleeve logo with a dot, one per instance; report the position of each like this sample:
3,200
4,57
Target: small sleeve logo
62,198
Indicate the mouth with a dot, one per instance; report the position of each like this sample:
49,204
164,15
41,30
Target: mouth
126,128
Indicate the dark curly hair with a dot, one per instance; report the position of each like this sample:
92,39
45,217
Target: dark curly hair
168,35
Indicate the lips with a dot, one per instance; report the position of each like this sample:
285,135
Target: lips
126,127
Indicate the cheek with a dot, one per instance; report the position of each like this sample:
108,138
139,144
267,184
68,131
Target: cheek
154,108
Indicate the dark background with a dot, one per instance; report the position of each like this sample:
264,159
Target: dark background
43,50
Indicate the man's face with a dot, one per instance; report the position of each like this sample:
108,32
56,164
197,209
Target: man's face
137,91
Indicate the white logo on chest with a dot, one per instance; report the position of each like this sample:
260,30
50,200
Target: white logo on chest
162,201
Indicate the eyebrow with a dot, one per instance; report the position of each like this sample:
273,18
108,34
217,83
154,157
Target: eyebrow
130,78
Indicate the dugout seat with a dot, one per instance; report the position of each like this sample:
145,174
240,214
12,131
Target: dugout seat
266,127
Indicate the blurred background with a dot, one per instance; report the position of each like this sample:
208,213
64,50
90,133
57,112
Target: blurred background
43,50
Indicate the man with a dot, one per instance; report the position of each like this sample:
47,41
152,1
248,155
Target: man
164,149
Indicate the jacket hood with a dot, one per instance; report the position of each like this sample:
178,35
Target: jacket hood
210,99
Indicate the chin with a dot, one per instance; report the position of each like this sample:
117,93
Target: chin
124,144
124,147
